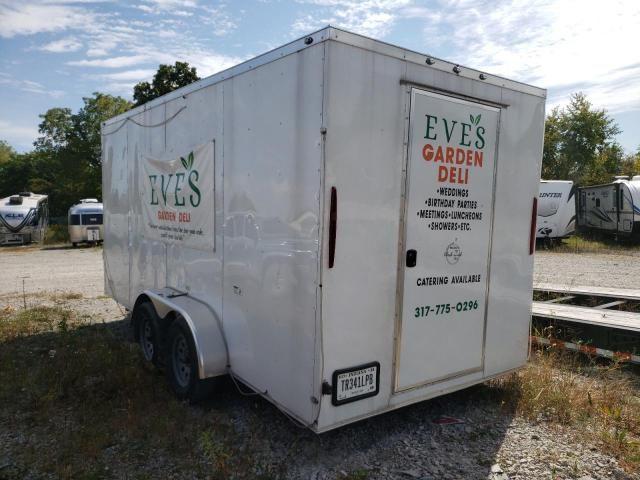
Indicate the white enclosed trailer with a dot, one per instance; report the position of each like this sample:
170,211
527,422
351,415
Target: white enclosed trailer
24,218
344,225
611,208
556,209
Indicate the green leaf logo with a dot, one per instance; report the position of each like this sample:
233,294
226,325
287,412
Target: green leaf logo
475,120
187,163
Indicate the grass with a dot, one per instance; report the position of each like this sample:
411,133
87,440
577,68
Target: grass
68,296
80,391
56,234
600,400
86,379
84,395
354,475
596,243
19,323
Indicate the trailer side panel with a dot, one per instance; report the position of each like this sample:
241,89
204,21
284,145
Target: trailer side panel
272,173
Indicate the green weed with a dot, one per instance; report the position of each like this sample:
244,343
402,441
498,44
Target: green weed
571,389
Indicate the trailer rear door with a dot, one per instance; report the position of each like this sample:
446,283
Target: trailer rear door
445,258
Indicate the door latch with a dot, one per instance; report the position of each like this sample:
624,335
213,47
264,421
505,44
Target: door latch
412,257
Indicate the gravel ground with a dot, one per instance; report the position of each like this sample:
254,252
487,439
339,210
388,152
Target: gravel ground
52,269
588,269
412,443
487,443
52,273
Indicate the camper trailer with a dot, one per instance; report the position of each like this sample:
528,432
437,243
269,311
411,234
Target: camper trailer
85,222
342,225
556,210
23,218
612,208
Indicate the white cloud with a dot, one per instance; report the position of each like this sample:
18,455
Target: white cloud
20,137
28,86
68,2
171,4
122,82
123,89
176,7
101,44
97,52
368,17
556,44
145,54
69,44
208,63
113,62
27,19
219,19
134,76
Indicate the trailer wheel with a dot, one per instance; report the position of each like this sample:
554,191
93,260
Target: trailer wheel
74,244
146,325
183,364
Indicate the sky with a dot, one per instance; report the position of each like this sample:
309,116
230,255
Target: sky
54,52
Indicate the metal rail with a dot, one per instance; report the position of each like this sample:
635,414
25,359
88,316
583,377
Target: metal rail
622,293
594,330
592,315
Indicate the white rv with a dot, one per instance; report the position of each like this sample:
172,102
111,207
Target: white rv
556,210
23,218
611,208
343,225
85,222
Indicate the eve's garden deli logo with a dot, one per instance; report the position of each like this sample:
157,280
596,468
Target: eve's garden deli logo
177,199
454,142
182,185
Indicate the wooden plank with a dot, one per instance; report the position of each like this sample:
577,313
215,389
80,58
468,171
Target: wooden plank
610,304
626,293
610,319
560,299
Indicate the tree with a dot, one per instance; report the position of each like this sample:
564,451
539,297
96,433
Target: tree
6,152
14,175
68,152
631,164
579,144
55,129
167,79
607,163
62,130
86,134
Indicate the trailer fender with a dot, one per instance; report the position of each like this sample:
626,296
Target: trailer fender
204,323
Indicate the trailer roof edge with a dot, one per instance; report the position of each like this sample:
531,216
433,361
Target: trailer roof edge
342,36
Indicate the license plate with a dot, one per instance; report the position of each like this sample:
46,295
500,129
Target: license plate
12,239
93,235
351,384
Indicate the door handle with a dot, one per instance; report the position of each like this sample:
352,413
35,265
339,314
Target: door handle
412,257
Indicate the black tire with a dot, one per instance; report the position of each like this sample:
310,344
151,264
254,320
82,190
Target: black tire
74,244
182,364
146,325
